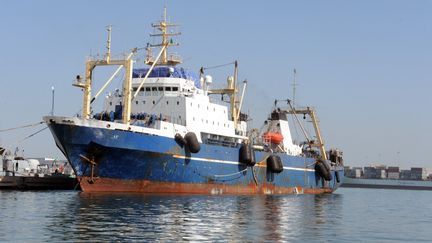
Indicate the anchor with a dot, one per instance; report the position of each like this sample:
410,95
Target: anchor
92,166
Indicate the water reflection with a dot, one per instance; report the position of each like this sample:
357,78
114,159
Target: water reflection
125,217
350,216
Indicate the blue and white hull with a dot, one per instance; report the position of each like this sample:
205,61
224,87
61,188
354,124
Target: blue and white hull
108,159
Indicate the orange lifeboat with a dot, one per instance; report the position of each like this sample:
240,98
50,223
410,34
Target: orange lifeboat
273,137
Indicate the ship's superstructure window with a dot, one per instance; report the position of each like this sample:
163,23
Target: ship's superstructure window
175,88
135,89
167,88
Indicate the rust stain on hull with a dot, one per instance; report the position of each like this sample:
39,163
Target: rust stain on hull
145,186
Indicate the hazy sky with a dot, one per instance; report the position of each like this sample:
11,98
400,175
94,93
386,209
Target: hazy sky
365,65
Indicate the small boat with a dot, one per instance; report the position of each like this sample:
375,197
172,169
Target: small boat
29,174
164,132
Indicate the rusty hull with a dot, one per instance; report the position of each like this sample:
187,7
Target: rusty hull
146,186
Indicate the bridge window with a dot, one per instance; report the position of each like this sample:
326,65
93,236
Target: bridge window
167,88
175,89
147,91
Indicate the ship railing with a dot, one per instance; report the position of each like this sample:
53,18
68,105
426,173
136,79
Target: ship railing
221,142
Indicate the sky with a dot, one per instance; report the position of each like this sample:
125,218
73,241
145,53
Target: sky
364,65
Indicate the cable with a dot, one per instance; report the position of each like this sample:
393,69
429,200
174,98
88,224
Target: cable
14,128
31,135
218,66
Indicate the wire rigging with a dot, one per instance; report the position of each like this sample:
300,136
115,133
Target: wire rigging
31,135
218,66
24,126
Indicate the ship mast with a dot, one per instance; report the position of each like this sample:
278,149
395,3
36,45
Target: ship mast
163,28
86,86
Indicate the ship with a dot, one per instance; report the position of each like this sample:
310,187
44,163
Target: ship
19,173
163,132
387,183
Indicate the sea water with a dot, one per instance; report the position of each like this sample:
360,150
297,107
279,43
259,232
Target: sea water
349,214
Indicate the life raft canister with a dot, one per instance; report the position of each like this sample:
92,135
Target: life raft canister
273,137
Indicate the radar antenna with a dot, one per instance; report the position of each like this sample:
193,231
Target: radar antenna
162,29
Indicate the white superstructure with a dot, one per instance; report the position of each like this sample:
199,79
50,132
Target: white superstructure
164,99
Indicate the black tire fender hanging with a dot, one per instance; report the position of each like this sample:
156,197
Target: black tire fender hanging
192,142
322,168
246,155
274,164
337,176
180,140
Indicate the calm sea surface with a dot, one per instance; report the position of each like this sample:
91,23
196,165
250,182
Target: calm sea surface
366,215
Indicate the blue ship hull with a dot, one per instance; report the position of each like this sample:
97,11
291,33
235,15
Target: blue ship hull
124,161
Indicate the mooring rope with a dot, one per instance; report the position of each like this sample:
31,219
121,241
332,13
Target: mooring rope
236,173
24,126
31,135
